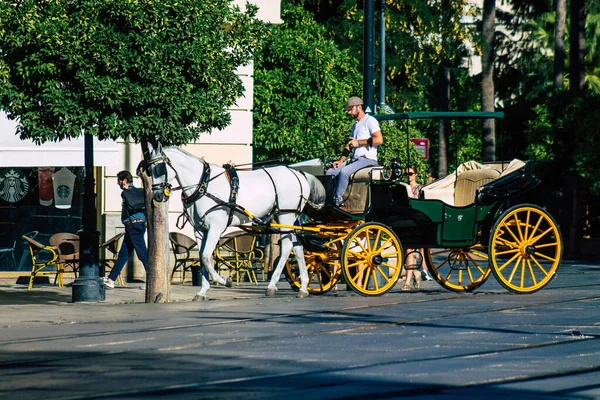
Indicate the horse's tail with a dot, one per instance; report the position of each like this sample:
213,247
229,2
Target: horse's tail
316,197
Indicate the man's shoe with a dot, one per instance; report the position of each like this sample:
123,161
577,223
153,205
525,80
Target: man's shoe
109,283
425,276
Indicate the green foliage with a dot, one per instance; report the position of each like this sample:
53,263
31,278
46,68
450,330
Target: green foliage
303,80
300,92
420,35
149,69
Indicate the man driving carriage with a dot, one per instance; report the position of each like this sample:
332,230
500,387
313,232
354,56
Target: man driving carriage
364,139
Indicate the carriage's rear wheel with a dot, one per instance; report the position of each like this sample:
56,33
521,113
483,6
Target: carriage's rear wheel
459,269
372,259
525,248
323,270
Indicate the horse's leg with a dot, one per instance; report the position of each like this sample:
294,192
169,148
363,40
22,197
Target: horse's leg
207,247
299,253
285,245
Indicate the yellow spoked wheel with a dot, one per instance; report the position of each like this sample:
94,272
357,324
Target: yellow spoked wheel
459,270
525,249
372,259
323,269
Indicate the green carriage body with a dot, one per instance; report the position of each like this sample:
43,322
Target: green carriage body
455,226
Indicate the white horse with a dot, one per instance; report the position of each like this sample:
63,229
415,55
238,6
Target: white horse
280,192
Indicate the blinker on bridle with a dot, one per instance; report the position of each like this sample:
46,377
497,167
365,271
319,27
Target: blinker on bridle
154,163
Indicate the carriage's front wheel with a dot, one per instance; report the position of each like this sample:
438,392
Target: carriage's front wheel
372,259
525,248
323,270
459,269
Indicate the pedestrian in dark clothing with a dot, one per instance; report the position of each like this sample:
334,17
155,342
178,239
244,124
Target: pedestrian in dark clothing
134,219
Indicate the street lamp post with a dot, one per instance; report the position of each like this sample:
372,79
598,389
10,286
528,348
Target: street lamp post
369,56
88,286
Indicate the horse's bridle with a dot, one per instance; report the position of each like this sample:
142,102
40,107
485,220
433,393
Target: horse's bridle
164,186
200,187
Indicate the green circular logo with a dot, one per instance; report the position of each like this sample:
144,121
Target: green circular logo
63,191
13,185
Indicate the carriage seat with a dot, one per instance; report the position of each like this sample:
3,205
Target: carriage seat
459,188
356,197
468,182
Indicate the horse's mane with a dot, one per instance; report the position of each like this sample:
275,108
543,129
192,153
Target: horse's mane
184,152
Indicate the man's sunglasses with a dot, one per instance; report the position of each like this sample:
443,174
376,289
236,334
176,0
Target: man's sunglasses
409,173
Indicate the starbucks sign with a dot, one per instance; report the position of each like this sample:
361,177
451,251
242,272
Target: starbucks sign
13,185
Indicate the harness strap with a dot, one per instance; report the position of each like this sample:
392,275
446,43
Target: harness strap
234,183
200,188
275,209
299,184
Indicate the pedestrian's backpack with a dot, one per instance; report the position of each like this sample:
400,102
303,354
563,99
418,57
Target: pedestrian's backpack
134,200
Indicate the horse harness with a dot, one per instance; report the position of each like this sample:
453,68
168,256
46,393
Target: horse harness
230,173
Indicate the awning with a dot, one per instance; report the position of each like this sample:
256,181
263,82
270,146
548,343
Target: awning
67,153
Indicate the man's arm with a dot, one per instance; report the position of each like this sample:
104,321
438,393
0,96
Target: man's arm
376,139
345,154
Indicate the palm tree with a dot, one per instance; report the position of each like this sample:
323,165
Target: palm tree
488,143
577,47
559,44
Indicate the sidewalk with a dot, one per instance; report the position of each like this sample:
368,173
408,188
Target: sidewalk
14,294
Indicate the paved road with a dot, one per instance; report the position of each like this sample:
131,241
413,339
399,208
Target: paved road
426,344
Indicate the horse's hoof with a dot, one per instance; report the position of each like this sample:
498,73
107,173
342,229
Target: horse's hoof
302,295
270,292
199,297
229,282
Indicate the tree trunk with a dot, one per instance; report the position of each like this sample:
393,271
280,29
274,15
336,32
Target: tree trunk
444,105
444,124
488,142
577,47
559,46
158,289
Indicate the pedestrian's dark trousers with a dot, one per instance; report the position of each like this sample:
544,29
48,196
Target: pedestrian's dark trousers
134,239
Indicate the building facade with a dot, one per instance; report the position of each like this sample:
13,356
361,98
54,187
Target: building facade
36,181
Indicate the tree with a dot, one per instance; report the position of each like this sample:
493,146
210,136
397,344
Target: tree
559,44
299,90
303,80
488,151
155,71
577,47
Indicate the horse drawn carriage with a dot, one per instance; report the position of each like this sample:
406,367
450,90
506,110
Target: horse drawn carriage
460,223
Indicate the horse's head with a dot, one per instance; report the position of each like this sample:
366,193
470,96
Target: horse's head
159,170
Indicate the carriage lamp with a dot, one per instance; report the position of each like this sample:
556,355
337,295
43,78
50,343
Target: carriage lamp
393,171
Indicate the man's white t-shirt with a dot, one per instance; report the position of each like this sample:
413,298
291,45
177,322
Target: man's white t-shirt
364,129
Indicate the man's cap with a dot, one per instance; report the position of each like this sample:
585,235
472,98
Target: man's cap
353,101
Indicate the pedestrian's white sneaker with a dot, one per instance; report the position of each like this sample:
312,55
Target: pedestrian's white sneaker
109,283
425,275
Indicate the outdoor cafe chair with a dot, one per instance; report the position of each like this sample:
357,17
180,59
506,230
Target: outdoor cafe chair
182,246
42,257
236,252
9,253
111,252
68,254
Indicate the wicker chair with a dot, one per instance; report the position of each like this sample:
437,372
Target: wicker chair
237,254
68,254
183,246
42,257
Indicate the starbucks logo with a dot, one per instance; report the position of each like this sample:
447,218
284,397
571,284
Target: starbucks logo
13,185
63,191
